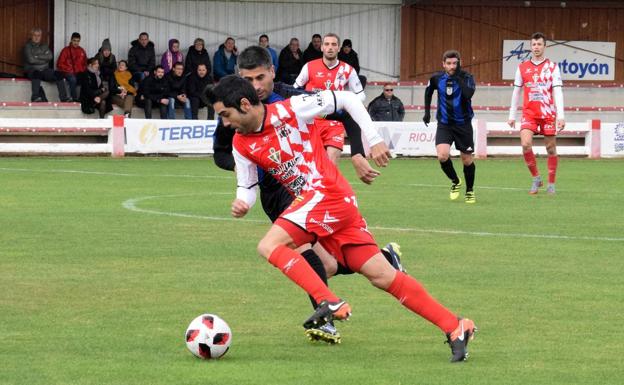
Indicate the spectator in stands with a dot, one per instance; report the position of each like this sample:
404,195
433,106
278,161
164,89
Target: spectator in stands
225,59
71,62
108,62
94,91
291,62
348,55
197,55
37,59
122,80
171,56
314,49
196,87
263,42
386,107
177,92
156,93
141,57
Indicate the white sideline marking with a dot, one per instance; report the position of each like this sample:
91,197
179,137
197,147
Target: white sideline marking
113,173
130,204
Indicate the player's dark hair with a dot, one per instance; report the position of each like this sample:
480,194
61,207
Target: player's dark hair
316,35
253,57
144,34
230,90
75,35
537,36
158,67
331,34
263,35
91,60
178,63
451,53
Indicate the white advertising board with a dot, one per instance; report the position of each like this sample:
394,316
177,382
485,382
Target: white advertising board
577,60
154,136
408,138
612,140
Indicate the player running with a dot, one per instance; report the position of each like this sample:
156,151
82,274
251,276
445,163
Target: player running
543,103
255,65
282,139
329,73
455,89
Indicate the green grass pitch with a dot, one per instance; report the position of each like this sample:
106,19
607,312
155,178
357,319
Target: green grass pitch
104,262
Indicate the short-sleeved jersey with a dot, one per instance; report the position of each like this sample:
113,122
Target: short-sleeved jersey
538,81
316,76
288,147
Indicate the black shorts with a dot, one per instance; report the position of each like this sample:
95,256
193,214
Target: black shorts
275,199
460,134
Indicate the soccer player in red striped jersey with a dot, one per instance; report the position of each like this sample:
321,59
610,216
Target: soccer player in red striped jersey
543,104
329,73
282,139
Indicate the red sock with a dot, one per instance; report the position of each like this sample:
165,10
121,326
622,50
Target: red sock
295,267
552,168
413,296
529,159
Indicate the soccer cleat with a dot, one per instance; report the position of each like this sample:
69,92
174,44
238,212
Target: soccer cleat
470,197
551,189
325,333
393,254
455,190
458,339
327,312
537,183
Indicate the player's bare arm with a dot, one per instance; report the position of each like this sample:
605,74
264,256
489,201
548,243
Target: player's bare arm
239,208
363,169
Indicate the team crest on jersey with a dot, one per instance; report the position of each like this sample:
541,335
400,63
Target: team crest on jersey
275,156
282,130
535,77
328,84
449,89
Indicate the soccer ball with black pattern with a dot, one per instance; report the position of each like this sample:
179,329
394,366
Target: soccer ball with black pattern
208,336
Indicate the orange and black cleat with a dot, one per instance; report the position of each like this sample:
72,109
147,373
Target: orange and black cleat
327,312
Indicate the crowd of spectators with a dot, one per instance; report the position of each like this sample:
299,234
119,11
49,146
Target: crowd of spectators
179,81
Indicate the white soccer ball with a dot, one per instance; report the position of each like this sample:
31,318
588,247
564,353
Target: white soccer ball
208,336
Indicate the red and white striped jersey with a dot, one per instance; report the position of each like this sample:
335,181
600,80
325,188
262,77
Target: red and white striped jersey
316,76
538,81
289,147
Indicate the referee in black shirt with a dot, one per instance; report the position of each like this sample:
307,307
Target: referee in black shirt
455,89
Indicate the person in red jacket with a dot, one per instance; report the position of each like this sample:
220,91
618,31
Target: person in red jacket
71,62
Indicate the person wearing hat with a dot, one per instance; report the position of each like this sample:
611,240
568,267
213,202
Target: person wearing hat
348,55
108,62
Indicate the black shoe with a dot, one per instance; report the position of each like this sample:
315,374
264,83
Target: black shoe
458,339
326,312
38,99
68,100
392,252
